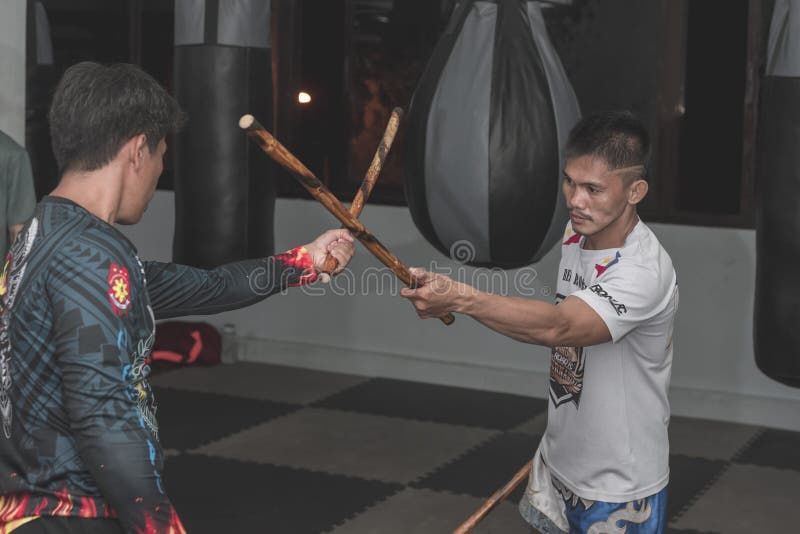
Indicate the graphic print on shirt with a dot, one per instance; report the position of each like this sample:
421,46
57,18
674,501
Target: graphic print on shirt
136,374
119,289
606,263
13,271
299,258
566,375
566,372
571,237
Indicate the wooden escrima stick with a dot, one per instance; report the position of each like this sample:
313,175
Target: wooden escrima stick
377,162
317,189
370,178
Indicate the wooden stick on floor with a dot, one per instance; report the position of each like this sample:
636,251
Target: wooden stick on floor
496,498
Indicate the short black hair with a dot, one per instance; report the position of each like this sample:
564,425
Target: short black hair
97,108
617,137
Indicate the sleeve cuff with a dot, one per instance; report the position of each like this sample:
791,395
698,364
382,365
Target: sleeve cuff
599,308
299,260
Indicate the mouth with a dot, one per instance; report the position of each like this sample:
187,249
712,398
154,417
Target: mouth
574,217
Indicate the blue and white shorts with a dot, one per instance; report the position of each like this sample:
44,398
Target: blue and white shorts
551,508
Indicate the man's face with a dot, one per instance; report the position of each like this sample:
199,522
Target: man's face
596,197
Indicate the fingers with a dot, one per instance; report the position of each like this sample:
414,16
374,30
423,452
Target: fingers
420,299
343,251
334,244
422,276
339,234
323,247
331,237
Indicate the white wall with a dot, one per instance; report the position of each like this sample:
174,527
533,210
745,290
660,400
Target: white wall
12,69
714,374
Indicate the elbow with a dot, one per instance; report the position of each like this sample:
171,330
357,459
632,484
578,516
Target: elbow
556,334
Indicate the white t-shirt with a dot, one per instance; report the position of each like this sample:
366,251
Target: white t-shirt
606,436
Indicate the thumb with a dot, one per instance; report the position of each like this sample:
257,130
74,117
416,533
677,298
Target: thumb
420,274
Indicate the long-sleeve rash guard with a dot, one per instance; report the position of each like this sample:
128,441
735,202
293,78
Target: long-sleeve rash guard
80,436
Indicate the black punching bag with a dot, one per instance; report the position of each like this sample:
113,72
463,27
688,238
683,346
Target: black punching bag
776,335
224,193
486,122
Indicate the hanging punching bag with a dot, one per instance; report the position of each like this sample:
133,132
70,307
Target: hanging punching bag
776,337
485,126
224,194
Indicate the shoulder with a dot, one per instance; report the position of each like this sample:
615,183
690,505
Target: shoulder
106,239
644,261
9,146
570,237
94,268
643,248
99,250
78,234
13,156
570,241
85,251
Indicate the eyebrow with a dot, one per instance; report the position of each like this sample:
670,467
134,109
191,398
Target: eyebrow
587,184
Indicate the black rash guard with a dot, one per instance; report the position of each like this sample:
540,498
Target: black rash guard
77,324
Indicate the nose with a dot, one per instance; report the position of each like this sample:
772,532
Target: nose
574,197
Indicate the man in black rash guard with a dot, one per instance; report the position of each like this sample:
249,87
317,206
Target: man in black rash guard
80,449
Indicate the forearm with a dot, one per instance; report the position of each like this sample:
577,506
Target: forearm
177,290
527,320
225,288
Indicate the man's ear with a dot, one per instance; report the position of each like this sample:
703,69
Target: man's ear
637,191
138,145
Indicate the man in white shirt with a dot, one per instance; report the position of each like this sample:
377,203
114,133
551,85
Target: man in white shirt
603,462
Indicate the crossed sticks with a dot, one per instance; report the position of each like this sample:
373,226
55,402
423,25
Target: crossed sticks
348,218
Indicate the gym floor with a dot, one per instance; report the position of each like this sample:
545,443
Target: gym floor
256,448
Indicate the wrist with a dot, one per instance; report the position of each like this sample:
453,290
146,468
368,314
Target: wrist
468,300
299,259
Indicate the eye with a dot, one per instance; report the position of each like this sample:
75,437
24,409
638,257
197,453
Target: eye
593,190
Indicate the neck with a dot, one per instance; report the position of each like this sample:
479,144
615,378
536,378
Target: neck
99,192
613,235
